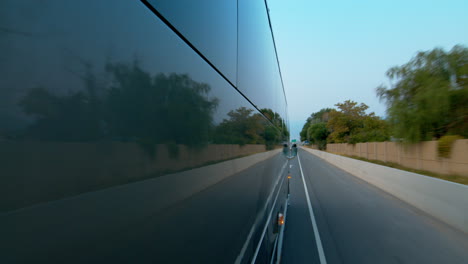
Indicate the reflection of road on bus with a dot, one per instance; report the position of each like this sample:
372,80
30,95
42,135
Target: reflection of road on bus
359,223
127,223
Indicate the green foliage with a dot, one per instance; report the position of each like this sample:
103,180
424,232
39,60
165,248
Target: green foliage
271,137
445,144
303,133
429,95
318,133
277,121
162,108
348,124
136,107
351,124
373,129
321,116
240,128
244,127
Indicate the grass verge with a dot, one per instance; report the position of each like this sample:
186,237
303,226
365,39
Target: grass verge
452,177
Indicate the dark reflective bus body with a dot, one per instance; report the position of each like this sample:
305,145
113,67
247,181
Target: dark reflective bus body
140,132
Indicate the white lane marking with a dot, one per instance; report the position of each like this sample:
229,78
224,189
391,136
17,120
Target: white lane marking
312,218
267,223
252,229
274,248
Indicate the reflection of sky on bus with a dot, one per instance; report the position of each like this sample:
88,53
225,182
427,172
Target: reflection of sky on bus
333,51
59,47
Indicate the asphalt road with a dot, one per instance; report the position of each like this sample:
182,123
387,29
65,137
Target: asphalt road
359,223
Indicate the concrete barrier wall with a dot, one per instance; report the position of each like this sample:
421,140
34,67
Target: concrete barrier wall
444,200
420,156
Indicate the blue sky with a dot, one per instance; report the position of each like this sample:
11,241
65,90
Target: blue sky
331,51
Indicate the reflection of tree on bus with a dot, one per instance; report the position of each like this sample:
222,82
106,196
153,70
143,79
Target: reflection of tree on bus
135,106
245,127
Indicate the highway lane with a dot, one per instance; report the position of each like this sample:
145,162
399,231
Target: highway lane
359,223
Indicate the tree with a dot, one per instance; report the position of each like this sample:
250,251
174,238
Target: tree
318,133
351,124
373,129
246,127
164,108
277,121
303,133
321,116
136,106
428,97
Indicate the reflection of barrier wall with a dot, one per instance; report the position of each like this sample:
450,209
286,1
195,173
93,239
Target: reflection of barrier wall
40,171
76,222
421,156
444,200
